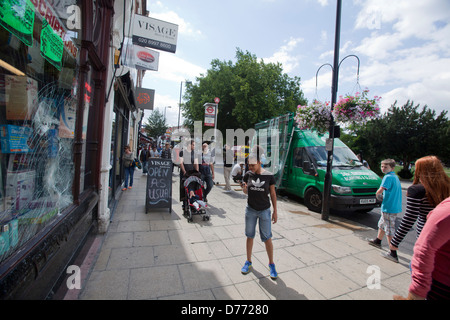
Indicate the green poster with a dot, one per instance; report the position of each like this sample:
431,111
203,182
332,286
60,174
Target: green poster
17,16
52,46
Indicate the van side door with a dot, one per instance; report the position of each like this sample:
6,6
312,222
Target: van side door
301,172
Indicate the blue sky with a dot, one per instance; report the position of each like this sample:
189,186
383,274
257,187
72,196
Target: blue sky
403,46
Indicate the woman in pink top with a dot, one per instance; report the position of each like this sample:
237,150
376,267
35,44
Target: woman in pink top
431,260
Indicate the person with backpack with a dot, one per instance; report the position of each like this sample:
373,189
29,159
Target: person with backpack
128,166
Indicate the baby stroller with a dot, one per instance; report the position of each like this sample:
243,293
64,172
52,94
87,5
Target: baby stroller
194,204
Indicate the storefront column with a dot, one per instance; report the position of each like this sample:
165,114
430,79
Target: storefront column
104,213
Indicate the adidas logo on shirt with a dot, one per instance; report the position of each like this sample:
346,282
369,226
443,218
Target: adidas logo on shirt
257,185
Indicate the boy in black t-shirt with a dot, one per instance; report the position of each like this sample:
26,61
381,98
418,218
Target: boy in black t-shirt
258,184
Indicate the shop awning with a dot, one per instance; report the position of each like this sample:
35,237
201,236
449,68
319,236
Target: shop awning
128,90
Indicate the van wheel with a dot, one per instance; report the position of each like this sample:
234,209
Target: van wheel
313,200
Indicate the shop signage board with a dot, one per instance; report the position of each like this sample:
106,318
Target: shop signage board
153,33
159,184
146,59
145,98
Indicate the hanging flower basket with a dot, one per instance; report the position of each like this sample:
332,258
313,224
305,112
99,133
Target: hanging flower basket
356,109
315,116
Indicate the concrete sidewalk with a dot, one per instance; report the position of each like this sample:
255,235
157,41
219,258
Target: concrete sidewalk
161,256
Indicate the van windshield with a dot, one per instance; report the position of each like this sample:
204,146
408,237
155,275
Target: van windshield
342,157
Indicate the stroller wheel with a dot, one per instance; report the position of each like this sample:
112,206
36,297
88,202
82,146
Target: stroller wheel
189,214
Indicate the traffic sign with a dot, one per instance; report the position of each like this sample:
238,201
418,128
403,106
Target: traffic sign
216,100
210,109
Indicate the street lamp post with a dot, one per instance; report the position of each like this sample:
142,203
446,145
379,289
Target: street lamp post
165,120
179,105
332,129
330,146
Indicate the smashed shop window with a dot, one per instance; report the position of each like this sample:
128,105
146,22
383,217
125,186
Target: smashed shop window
37,167
38,102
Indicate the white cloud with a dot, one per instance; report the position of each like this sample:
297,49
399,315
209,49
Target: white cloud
408,50
283,55
173,68
323,81
162,103
323,3
343,51
165,14
323,36
379,46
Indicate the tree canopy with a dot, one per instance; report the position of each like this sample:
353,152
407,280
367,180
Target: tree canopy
250,91
403,133
156,124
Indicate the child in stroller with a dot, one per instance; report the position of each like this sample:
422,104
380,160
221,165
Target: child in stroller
193,201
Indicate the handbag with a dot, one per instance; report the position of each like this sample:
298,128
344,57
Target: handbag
137,163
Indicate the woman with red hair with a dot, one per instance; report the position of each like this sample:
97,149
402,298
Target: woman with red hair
431,186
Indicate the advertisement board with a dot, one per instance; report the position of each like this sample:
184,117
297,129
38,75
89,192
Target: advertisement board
153,33
146,59
145,98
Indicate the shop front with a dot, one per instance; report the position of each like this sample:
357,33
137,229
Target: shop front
53,78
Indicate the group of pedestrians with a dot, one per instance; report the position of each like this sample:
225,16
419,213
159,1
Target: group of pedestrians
428,204
129,161
204,164
257,183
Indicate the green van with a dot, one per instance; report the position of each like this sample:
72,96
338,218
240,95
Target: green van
298,159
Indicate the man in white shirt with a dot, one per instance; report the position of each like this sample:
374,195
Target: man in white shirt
238,172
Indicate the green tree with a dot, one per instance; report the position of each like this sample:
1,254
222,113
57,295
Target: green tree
249,90
404,133
156,124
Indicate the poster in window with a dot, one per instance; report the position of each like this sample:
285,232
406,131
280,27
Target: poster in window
20,94
67,118
17,16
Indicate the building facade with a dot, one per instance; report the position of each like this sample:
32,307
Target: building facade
65,115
